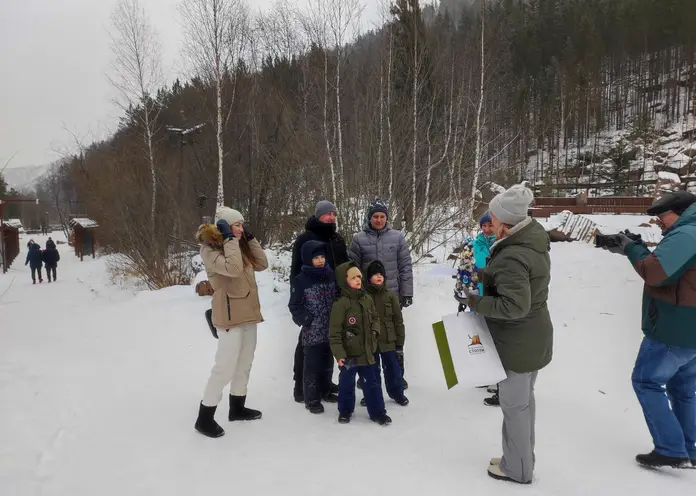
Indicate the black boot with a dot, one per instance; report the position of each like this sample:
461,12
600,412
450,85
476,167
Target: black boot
382,420
403,401
343,418
205,423
655,460
315,408
239,412
331,398
492,401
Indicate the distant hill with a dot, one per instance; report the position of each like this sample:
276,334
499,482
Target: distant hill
23,179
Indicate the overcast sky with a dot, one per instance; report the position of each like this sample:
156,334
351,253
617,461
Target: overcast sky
53,64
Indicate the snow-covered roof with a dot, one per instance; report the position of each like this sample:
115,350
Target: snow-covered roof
13,223
84,222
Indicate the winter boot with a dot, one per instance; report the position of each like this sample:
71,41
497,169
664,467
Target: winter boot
343,418
331,398
205,423
363,402
497,473
382,420
298,393
655,460
239,412
315,408
360,383
492,401
403,401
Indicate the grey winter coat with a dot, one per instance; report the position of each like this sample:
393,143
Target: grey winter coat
388,246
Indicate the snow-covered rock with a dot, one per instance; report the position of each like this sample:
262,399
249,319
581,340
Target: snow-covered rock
670,177
690,151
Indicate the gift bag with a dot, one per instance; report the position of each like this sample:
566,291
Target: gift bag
467,352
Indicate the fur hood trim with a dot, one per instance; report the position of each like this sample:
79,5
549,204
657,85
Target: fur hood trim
208,235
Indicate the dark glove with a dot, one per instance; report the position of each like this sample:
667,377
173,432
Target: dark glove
399,349
225,229
406,301
620,242
247,234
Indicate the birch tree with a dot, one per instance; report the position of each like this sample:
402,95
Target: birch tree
137,74
216,34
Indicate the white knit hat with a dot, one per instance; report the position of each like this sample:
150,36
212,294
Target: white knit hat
228,214
512,206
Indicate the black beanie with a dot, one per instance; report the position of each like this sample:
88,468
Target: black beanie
376,267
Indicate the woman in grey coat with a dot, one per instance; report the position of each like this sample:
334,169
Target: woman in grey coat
379,241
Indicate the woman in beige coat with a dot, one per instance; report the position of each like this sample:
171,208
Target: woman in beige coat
231,256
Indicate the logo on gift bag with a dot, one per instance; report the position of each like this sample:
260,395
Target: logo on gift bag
476,347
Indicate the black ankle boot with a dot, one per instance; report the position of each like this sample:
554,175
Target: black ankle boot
654,459
239,412
205,423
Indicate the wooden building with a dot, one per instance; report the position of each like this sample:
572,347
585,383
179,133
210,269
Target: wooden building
83,236
9,242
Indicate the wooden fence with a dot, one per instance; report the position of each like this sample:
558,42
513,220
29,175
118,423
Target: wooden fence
546,206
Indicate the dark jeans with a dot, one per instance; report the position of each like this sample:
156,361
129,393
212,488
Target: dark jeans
49,271
318,369
372,390
392,374
665,375
34,271
298,365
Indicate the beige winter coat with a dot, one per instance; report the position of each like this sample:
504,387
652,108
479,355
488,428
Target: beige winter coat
236,297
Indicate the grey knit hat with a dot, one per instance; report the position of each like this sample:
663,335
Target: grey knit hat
324,207
512,206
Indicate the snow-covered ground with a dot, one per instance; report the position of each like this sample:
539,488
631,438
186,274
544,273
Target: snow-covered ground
100,387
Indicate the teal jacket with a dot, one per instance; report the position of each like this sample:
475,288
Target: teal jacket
482,250
669,272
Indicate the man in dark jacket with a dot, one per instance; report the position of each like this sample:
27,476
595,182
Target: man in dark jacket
666,360
320,227
514,303
51,257
35,261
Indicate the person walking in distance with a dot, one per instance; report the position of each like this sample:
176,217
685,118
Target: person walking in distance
51,257
514,304
35,261
664,376
231,256
320,227
378,240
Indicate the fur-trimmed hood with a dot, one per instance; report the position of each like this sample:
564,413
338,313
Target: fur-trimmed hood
209,235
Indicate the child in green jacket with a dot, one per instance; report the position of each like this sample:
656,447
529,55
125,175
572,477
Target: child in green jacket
353,334
392,331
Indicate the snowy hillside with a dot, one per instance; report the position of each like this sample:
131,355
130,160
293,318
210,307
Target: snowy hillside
24,178
101,384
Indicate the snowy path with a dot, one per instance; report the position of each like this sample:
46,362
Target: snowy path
100,389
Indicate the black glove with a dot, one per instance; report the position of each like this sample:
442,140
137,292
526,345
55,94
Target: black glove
225,229
620,242
247,234
399,350
406,301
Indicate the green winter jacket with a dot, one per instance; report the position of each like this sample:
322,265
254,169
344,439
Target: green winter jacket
392,330
516,288
354,325
669,272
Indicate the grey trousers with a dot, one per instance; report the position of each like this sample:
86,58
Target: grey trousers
519,414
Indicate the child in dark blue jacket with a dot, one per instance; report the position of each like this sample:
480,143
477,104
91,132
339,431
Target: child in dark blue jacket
35,261
312,296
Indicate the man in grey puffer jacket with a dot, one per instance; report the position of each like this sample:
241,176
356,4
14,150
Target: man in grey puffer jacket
378,241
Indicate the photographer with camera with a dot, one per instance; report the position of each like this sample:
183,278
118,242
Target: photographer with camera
665,370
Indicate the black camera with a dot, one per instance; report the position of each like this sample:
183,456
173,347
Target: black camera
613,240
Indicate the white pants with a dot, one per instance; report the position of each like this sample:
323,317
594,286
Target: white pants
233,360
